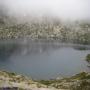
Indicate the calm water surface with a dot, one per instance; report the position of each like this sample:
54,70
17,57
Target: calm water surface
43,60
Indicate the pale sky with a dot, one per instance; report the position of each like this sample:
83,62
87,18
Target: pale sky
73,9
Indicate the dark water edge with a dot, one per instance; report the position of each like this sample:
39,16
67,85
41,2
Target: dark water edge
49,40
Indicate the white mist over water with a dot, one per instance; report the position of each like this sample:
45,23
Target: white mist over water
65,9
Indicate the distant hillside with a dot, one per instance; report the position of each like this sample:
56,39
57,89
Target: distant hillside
47,29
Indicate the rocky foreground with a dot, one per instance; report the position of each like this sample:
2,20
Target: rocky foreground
11,81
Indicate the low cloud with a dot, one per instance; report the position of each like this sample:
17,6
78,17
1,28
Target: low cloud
65,9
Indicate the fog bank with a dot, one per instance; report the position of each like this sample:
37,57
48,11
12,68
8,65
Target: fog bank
63,9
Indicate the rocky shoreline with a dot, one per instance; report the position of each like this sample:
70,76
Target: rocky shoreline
12,81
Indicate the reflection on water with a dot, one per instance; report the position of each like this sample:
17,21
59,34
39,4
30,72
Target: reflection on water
6,50
43,60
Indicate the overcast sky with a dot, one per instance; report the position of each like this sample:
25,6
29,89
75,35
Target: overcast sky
73,9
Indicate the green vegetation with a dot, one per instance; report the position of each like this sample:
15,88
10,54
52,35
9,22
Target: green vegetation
81,76
88,58
80,81
84,85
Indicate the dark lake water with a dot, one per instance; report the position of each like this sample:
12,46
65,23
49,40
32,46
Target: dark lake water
43,59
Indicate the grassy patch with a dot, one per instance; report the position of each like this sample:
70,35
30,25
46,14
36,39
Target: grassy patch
88,58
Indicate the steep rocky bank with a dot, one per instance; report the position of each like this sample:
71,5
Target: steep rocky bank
47,29
13,81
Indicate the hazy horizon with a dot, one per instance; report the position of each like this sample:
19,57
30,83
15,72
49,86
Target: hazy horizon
64,9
